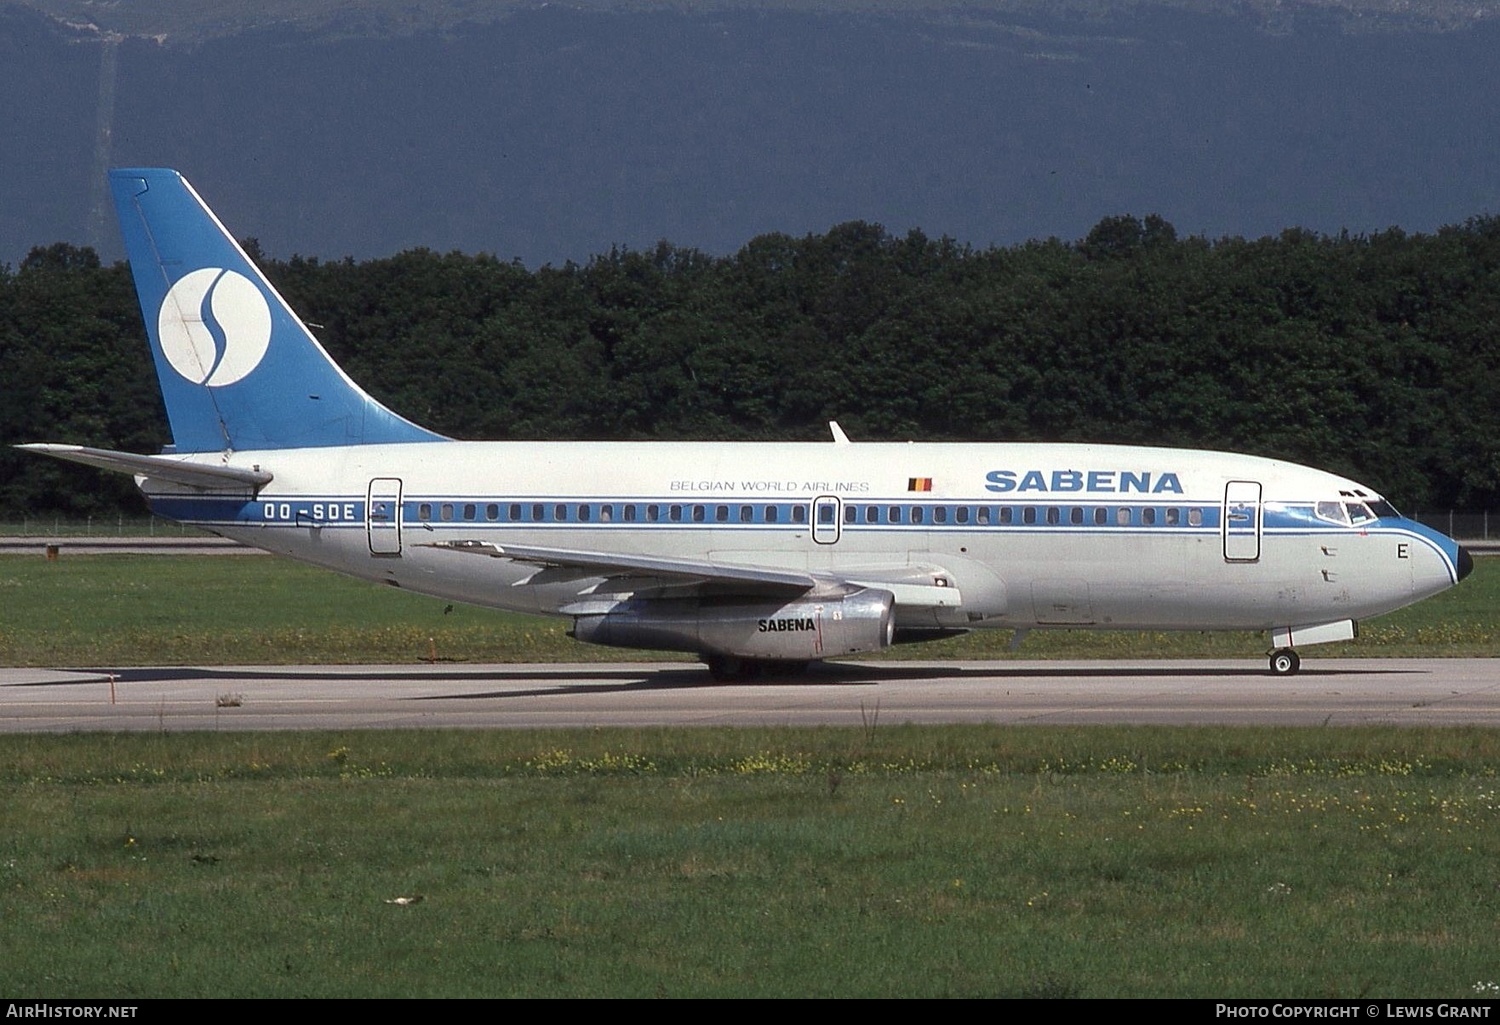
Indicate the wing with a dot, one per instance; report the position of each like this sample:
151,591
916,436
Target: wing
912,586
680,572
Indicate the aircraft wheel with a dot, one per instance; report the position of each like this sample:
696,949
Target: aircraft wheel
1285,662
729,669
785,669
722,668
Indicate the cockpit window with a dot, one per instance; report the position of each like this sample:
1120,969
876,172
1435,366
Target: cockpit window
1380,507
1331,511
1358,512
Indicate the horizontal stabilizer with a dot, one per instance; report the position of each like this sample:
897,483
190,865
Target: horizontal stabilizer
171,468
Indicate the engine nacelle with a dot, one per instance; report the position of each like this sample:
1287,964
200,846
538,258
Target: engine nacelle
797,631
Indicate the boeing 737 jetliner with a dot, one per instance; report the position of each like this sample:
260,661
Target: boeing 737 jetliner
748,555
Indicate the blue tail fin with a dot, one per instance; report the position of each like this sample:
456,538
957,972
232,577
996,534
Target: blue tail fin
238,369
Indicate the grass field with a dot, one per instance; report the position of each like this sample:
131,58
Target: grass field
116,610
118,525
899,861
888,861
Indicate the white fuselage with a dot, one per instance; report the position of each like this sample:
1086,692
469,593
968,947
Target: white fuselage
1028,535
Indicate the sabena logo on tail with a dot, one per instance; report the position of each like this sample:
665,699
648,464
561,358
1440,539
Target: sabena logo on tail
214,326
239,370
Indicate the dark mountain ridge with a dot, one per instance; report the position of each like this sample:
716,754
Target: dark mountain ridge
552,133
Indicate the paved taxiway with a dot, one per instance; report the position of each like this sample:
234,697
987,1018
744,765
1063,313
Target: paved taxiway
1340,692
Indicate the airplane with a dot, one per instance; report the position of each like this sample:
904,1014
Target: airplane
756,557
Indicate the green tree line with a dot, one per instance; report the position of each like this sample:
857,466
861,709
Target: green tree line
1371,355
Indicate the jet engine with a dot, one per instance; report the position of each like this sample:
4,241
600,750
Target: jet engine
796,631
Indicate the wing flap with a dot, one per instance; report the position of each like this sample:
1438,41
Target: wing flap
911,586
613,564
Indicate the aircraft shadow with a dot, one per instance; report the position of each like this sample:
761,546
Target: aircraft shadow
575,679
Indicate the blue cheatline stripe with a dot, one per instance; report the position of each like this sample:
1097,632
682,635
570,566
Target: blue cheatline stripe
1440,542
567,509
481,513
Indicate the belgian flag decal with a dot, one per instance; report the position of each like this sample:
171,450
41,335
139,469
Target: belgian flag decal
919,484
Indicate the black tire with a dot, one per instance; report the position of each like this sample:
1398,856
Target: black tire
1285,662
784,669
723,668
729,669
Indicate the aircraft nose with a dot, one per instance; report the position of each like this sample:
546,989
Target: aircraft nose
1465,562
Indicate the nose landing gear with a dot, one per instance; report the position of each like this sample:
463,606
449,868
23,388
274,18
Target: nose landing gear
1285,662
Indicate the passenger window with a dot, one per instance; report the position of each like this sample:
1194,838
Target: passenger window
770,514
721,514
1028,514
538,513
583,513
1007,514
446,511
849,513
699,514
983,516
1101,516
424,511
799,514
917,514
961,514
492,512
940,514
1174,517
895,514
747,514
560,513
606,513
1054,515
630,514
1148,517
1195,517
675,514
825,514
1075,516
1122,516
872,514
471,511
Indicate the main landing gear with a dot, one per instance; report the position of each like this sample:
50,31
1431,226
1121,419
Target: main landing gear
726,668
1285,662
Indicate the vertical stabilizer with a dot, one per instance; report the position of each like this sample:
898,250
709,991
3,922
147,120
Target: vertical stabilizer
238,369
